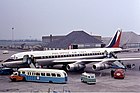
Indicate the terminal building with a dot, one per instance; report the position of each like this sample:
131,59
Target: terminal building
81,39
74,40
130,40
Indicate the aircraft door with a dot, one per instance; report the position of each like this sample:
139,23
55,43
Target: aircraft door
33,61
26,59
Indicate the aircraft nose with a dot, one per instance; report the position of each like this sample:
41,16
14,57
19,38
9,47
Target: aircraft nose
3,65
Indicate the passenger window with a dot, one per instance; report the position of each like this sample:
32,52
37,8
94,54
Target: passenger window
65,74
29,73
72,55
48,74
58,75
23,72
38,74
42,74
33,73
53,75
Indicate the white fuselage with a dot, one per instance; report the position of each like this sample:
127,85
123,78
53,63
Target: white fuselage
52,57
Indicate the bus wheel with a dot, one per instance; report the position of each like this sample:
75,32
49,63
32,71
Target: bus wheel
50,82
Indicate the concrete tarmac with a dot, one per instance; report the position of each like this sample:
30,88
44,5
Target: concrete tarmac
105,83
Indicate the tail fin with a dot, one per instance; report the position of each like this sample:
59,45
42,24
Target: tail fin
115,41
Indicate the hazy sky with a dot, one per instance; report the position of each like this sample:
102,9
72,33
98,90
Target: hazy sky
32,19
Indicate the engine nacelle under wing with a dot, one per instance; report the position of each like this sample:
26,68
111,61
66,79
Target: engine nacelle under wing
75,67
100,66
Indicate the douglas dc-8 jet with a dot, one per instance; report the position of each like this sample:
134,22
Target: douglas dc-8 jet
73,59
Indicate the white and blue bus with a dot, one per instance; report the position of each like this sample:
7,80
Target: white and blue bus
43,75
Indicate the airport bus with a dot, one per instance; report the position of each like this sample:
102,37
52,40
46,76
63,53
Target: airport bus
42,75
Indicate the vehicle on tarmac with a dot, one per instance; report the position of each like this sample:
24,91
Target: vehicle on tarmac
6,71
16,77
88,78
119,74
40,75
5,52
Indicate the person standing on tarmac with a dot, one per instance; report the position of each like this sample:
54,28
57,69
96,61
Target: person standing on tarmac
112,73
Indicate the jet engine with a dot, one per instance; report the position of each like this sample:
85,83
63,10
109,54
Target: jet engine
100,66
75,67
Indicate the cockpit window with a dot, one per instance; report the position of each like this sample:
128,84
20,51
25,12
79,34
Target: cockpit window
8,60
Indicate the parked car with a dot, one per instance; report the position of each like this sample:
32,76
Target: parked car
5,52
88,78
6,71
119,74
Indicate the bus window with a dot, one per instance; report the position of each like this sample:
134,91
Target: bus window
38,74
23,72
33,73
48,74
65,74
53,74
58,75
42,74
29,73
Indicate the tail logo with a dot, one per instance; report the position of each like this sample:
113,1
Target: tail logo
115,41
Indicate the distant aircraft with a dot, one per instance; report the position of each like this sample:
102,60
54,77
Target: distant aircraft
74,59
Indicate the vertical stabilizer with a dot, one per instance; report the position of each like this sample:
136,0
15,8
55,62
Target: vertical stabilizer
115,41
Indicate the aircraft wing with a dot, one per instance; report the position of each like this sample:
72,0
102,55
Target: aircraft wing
86,61
99,64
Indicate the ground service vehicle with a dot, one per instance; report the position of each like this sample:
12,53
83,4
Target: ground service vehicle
16,77
43,75
119,74
88,78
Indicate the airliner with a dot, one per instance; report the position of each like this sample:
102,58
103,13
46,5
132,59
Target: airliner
73,59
